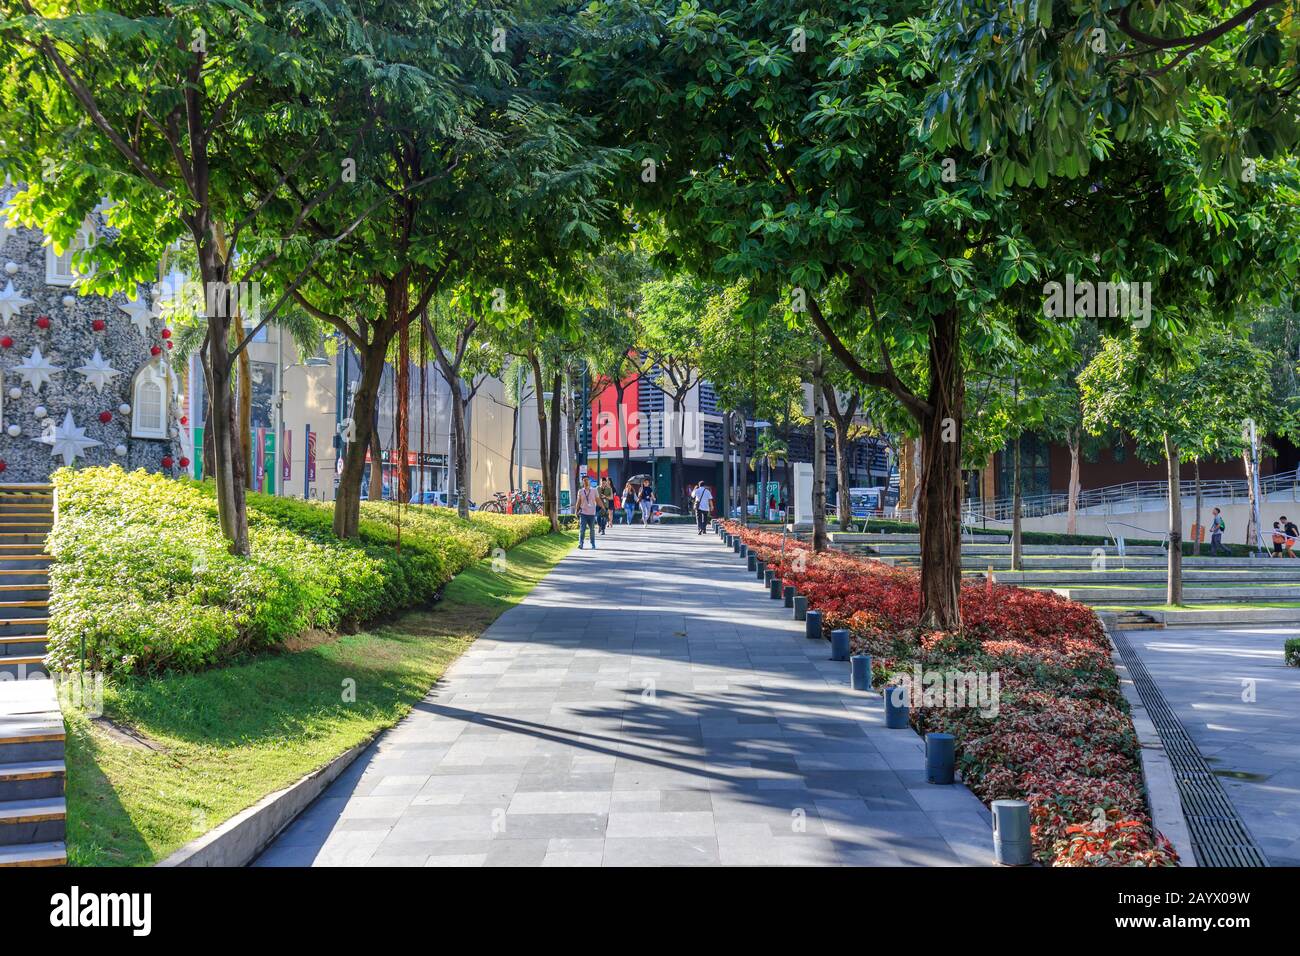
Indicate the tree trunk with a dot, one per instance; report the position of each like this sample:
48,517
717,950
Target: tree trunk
1252,533
571,429
918,458
940,501
225,447
546,440
554,466
347,501
1196,538
514,440
245,430
1072,505
844,500
376,463
461,444
1174,591
819,461
679,463
402,407
1017,540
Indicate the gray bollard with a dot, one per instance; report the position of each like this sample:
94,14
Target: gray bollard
788,595
840,645
752,561
760,566
800,607
1011,846
861,671
896,707
940,757
775,589
812,625
768,575
735,544
744,550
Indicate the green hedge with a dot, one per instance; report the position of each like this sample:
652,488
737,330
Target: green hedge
1291,651
142,574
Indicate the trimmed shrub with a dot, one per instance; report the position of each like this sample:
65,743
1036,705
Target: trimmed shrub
1291,651
142,574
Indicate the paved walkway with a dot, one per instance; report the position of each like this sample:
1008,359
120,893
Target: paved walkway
647,704
1253,745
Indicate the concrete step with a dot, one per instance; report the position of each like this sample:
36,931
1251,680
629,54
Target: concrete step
34,591
23,741
35,561
1209,616
22,537
1087,577
32,780
33,821
1191,595
21,626
10,576
21,645
885,537
1036,550
53,853
23,666
24,610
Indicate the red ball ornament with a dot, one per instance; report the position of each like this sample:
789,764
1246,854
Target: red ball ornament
6,342
99,325
155,350
185,420
3,466
105,417
169,345
167,461
185,462
166,333
43,322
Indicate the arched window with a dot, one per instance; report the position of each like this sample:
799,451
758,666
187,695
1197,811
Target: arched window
149,403
59,269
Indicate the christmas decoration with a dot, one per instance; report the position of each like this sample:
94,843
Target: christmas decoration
69,301
141,315
36,370
98,372
43,322
185,462
124,408
167,461
119,451
105,417
15,393
185,420
99,325
166,333
67,440
11,267
39,411
14,430
11,302
155,350
7,342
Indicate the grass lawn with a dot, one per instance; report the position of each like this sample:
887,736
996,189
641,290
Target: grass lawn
175,756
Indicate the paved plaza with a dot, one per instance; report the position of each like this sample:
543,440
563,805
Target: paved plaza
647,704
1208,676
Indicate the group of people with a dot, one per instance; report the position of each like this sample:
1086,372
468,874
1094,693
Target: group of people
1285,534
598,505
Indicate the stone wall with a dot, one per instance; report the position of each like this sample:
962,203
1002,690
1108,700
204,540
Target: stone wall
63,326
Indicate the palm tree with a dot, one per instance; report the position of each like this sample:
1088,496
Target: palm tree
770,451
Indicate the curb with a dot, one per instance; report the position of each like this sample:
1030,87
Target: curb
1157,772
239,840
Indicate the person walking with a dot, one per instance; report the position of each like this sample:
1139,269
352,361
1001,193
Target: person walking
1292,533
606,492
1217,527
703,505
646,499
629,502
588,502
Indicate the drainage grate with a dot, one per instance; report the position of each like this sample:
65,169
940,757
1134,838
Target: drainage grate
1219,836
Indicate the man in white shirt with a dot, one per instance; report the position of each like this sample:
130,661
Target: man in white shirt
588,501
703,505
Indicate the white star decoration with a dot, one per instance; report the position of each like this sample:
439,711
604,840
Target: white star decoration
67,439
36,369
11,302
98,372
141,315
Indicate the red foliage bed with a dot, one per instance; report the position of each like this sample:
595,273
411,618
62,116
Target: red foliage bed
1061,738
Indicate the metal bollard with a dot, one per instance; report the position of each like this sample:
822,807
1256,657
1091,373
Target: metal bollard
861,671
735,544
768,575
744,550
896,707
788,595
839,645
775,592
1011,846
752,561
760,566
800,607
812,625
940,757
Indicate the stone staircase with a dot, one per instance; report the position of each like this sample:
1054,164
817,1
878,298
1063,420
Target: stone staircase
32,770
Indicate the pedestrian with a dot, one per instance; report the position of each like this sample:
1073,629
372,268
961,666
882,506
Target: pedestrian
588,502
1292,532
703,505
1278,538
606,492
1217,527
629,501
646,499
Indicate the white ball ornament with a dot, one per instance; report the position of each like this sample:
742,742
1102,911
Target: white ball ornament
120,451
15,393
11,267
14,431
124,408
39,411
69,301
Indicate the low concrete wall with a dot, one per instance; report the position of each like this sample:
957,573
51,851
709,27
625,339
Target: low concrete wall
1153,523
